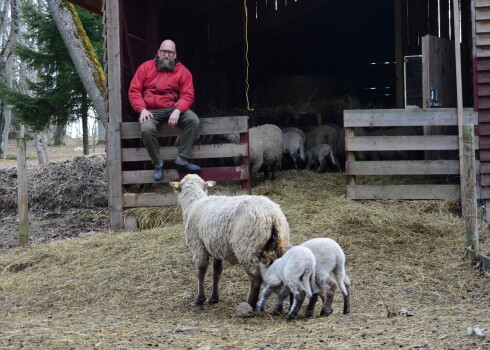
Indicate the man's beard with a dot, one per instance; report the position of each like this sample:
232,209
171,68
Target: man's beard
165,65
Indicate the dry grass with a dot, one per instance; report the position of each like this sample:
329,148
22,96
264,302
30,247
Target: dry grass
136,290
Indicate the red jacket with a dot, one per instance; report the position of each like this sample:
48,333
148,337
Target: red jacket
152,89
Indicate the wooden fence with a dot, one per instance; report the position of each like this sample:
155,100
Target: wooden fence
367,119
127,157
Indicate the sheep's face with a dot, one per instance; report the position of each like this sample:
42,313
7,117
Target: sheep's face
267,257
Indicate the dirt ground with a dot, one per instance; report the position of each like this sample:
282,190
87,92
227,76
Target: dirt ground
45,225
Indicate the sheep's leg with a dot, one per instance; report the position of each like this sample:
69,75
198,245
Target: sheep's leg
299,298
282,295
328,300
347,300
266,294
310,309
255,282
201,296
217,269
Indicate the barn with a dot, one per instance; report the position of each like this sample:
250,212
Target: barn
286,61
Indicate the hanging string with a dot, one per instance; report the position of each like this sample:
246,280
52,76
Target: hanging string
247,64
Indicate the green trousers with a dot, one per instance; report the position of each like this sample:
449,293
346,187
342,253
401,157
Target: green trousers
188,121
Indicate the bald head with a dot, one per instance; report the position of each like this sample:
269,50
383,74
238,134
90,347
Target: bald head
166,56
167,45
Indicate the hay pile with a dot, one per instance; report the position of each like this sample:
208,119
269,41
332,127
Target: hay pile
77,183
412,286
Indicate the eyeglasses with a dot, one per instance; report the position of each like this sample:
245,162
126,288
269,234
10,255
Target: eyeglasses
167,52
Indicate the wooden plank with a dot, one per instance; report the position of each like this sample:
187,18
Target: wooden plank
400,143
482,13
207,126
421,192
217,174
482,3
199,152
132,200
114,175
403,167
406,117
484,155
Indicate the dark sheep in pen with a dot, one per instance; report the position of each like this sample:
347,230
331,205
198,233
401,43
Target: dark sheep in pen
317,158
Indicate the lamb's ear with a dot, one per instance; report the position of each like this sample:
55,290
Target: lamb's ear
174,184
210,184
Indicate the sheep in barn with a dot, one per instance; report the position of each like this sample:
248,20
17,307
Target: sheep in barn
297,131
330,271
293,273
317,158
265,149
231,228
322,134
293,147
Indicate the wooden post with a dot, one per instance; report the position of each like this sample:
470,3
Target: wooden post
400,102
22,203
114,175
319,119
469,188
350,156
459,87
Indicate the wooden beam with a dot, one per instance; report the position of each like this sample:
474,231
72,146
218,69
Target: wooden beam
418,192
401,143
407,117
164,199
225,150
403,167
207,126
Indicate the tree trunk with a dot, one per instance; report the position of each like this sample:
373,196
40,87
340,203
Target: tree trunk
44,138
84,113
81,52
100,133
39,149
59,135
7,113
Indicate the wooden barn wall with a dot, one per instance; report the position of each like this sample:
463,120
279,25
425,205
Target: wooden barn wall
481,63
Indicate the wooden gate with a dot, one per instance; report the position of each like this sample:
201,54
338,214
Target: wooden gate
368,119
125,147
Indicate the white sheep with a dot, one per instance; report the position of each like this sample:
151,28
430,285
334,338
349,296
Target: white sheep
293,146
330,271
231,228
293,273
265,149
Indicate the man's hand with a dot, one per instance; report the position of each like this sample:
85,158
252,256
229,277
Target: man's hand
174,118
145,115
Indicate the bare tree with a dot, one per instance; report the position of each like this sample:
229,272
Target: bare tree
81,52
9,32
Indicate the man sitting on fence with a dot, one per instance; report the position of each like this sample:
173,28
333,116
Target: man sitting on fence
162,91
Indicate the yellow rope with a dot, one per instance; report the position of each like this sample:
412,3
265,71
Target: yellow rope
247,86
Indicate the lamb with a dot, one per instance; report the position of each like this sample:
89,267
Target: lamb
293,146
330,262
231,228
317,157
293,273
